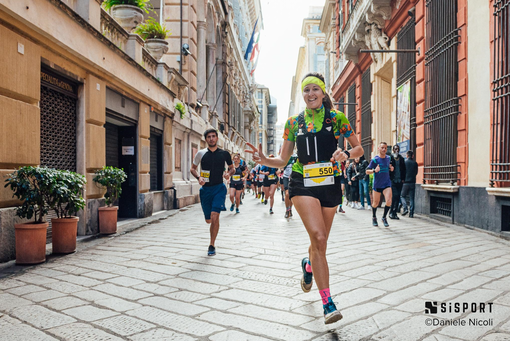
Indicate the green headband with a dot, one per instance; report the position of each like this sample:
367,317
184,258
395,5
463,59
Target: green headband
313,80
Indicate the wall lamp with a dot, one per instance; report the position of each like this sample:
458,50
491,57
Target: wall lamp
185,50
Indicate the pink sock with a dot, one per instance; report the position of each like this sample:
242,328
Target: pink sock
325,295
308,268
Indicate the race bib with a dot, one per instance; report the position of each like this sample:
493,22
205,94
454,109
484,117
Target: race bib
205,174
236,178
318,174
272,176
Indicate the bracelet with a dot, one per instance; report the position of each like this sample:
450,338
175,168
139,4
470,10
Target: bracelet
347,153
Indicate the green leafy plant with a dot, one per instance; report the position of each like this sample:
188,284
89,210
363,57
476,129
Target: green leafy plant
181,108
143,4
67,193
33,186
151,29
111,178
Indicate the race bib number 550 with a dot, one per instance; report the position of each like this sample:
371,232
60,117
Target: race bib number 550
318,174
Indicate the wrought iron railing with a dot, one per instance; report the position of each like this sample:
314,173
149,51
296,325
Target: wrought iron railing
113,31
441,96
500,160
366,114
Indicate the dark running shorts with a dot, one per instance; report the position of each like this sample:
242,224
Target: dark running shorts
238,186
380,190
248,183
212,199
329,196
268,182
286,183
259,183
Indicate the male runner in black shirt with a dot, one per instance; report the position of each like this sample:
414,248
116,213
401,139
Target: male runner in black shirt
213,192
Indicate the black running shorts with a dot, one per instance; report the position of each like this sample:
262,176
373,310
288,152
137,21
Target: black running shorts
329,196
238,186
268,183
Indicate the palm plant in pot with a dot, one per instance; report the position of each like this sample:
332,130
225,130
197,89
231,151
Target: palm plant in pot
67,200
128,13
33,187
110,178
154,35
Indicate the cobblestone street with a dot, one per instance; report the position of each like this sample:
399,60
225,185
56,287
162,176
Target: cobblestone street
157,282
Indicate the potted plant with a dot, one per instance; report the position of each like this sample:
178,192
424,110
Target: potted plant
154,35
66,200
181,109
33,186
110,178
128,13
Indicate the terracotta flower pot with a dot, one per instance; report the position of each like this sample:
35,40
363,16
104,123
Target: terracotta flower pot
30,243
108,220
63,234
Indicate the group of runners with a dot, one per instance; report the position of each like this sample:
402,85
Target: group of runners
313,184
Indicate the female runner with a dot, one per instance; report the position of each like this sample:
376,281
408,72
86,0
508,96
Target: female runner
236,183
315,180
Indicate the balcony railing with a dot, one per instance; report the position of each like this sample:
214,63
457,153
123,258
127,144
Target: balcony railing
113,31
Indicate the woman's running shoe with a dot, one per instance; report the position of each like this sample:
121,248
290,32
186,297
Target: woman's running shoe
374,221
331,314
385,222
232,207
237,210
211,251
271,211
307,279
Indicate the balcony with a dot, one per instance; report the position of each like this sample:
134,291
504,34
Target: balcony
364,28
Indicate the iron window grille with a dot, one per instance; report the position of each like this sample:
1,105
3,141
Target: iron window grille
351,98
441,100
366,114
406,69
341,107
500,160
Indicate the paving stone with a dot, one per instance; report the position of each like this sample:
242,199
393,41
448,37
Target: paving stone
154,288
471,282
161,334
174,306
117,304
10,283
279,316
186,296
25,289
51,273
218,304
210,277
256,326
35,279
82,332
125,281
124,325
270,301
496,337
89,313
267,278
43,295
282,290
403,295
63,303
413,328
357,296
9,302
234,335
187,284
175,322
66,288
92,295
442,295
14,330
80,280
402,281
41,317
123,292
99,275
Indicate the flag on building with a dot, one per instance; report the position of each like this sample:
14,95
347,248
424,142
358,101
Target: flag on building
254,66
255,49
250,44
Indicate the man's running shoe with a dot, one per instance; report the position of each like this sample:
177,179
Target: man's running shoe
240,202
237,210
242,196
331,314
262,200
265,202
271,211
340,209
232,207
287,214
290,213
211,251
307,279
385,222
374,221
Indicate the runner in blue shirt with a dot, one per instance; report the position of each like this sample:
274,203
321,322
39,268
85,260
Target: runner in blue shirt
381,167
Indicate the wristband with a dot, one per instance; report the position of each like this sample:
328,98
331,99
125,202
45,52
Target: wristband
347,153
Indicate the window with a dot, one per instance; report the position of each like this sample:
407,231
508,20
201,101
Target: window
351,98
441,99
156,161
500,157
178,152
366,113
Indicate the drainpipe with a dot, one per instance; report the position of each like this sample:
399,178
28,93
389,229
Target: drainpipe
180,47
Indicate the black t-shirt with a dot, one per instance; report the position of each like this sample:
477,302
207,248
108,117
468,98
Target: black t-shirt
212,165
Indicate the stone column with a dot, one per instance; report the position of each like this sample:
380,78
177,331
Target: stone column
211,75
201,67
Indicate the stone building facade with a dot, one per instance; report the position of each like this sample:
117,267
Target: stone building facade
422,98
78,92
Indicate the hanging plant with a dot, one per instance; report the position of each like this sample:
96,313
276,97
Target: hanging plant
181,108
